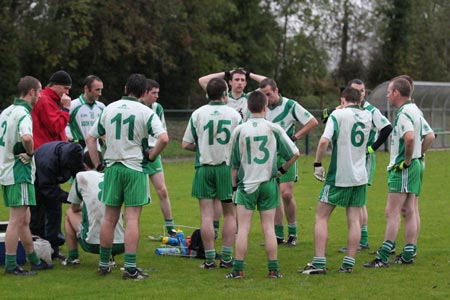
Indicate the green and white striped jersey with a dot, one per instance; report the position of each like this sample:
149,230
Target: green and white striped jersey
239,104
348,132
408,118
210,128
87,188
254,148
83,116
127,125
287,113
15,122
379,121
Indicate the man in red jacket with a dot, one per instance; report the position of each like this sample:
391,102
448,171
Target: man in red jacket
51,112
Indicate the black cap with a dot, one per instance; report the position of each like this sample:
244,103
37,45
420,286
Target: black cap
61,78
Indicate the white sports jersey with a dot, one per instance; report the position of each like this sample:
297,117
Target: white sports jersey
87,189
408,118
254,148
348,131
287,113
15,122
239,104
158,109
210,128
82,117
126,124
379,121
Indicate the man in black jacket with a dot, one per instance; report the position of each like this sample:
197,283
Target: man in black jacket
56,163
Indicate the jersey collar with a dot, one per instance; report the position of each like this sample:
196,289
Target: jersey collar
21,102
131,98
216,102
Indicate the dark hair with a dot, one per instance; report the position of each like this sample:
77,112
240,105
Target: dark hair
268,82
87,159
355,81
402,86
407,78
89,80
26,84
151,84
256,102
136,85
351,95
237,71
216,88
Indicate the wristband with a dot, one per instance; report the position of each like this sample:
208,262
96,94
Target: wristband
234,188
370,150
281,170
293,138
100,167
317,164
30,155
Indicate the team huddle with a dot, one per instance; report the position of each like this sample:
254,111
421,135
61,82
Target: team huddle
245,160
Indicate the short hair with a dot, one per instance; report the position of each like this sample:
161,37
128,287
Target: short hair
351,95
89,80
87,159
151,84
26,84
237,71
256,102
355,81
402,86
268,82
407,78
136,85
216,88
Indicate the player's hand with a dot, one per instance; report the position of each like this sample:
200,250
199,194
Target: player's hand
65,101
401,166
319,172
25,158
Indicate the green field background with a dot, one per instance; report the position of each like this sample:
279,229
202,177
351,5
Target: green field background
180,278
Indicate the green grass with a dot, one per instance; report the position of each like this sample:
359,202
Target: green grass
177,278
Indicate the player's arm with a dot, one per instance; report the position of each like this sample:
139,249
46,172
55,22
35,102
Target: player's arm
27,142
408,141
382,137
427,141
91,143
305,129
188,146
319,171
75,207
161,143
290,162
258,78
203,81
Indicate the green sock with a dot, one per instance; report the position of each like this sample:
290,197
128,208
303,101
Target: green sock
210,255
226,252
105,253
319,262
279,231
385,251
10,262
348,262
73,254
33,258
292,229
273,265
238,265
408,252
169,224
129,261
364,236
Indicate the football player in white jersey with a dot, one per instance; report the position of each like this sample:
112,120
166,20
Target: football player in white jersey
345,184
286,113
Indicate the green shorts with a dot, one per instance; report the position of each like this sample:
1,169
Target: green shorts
291,174
95,248
343,196
371,164
406,181
124,185
265,197
212,182
152,168
19,194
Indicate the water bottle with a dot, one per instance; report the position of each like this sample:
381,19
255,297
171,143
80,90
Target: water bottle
182,243
167,251
172,241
